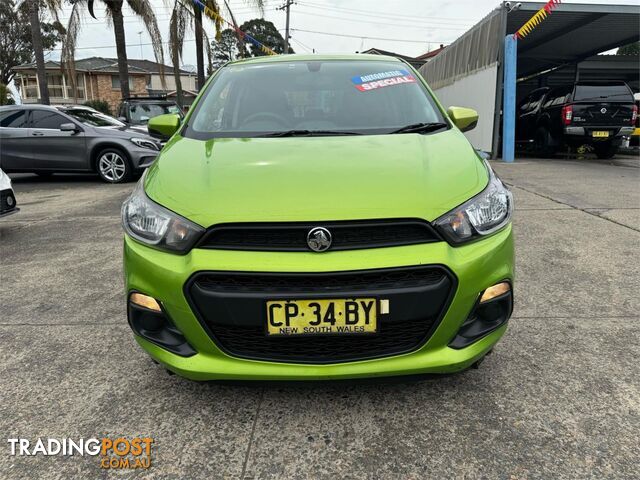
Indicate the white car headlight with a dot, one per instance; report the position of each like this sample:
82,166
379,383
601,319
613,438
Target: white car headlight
145,143
484,214
154,225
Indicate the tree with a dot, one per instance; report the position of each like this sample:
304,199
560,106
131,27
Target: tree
16,45
113,10
266,33
225,48
6,98
33,8
631,49
186,15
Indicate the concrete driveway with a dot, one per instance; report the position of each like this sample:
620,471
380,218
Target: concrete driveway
558,398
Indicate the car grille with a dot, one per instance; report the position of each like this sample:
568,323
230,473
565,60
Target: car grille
293,236
231,306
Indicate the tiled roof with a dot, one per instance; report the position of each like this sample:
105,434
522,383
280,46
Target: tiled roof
106,65
431,54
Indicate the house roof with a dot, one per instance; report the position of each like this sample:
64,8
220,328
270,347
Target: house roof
432,53
106,65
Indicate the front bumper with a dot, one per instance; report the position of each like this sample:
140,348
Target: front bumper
476,266
142,158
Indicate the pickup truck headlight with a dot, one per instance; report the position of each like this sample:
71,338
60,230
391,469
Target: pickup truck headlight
145,143
484,214
154,225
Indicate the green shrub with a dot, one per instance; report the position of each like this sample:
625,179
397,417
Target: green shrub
100,105
6,97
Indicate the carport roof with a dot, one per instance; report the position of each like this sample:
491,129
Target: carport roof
573,32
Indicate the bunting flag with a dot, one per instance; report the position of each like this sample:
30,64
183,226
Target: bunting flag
216,17
534,21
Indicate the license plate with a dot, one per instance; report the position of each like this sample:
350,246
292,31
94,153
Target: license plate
322,316
600,134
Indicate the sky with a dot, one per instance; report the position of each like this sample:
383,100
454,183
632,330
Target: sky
409,27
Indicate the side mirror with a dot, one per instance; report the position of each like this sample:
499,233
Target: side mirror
464,118
69,127
164,125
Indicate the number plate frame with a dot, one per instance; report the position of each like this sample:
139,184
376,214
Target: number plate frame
366,325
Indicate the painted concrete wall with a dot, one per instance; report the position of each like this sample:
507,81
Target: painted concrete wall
477,91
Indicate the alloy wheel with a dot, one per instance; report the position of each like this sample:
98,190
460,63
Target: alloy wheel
112,166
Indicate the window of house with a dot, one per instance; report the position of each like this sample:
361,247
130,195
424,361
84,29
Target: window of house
80,89
30,86
54,82
13,119
115,82
47,119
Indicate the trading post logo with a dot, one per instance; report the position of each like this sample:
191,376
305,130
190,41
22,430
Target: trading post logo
119,453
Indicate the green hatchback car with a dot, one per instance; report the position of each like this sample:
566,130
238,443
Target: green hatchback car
318,217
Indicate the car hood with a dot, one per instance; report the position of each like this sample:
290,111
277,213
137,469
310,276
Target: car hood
139,128
316,178
126,132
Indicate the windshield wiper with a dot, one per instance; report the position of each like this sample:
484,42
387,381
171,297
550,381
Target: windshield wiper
308,133
421,127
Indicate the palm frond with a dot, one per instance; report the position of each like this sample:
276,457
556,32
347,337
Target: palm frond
144,10
181,17
67,57
54,7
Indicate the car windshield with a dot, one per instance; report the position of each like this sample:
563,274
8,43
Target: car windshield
325,97
140,113
94,119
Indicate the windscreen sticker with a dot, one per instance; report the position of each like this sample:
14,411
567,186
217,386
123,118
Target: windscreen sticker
373,81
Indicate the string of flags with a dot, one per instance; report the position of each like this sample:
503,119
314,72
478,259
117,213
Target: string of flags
216,17
536,19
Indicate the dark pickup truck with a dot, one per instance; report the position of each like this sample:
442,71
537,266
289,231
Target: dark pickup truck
595,114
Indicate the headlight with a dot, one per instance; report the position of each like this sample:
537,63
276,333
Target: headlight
145,143
149,223
484,214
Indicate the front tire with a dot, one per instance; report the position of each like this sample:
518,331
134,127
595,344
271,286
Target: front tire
113,166
605,150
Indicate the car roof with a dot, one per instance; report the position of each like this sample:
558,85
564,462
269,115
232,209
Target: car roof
149,100
318,58
29,106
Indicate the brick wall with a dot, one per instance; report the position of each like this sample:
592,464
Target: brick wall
102,90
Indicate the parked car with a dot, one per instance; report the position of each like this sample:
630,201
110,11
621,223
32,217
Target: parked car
45,140
318,217
596,114
136,111
8,204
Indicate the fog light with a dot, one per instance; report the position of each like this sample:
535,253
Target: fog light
145,301
495,291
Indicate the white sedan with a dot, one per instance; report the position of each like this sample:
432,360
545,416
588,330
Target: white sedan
7,198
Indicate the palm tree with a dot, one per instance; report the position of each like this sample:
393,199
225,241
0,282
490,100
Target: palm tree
187,15
113,10
36,37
